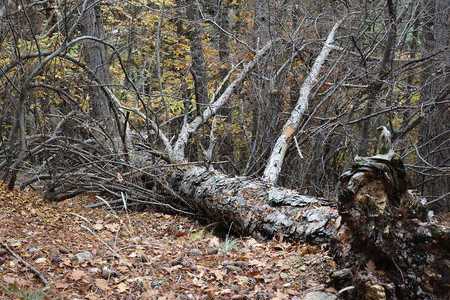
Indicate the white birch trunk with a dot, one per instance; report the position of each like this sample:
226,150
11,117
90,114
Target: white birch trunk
176,152
273,168
188,128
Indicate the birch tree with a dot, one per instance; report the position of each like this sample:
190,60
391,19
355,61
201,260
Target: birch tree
322,127
275,163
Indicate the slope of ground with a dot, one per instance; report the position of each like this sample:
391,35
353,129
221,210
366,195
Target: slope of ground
140,256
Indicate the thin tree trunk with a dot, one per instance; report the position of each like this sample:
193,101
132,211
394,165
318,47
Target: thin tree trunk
3,19
96,60
198,60
385,70
265,94
275,163
224,50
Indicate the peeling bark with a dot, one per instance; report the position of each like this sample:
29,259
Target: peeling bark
256,207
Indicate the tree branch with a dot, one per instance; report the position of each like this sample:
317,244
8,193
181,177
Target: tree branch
273,168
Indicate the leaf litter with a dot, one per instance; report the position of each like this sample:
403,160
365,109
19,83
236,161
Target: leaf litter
103,254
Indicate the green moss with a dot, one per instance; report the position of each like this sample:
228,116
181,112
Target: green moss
435,231
421,210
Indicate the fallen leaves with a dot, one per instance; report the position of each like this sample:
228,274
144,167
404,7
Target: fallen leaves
101,283
61,285
214,242
77,274
98,226
122,287
370,266
150,255
41,260
218,274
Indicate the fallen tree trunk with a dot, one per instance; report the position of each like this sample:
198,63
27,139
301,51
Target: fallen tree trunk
256,207
396,252
387,246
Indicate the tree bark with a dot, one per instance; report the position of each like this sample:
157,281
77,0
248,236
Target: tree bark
198,60
96,60
395,251
223,40
256,207
275,163
3,19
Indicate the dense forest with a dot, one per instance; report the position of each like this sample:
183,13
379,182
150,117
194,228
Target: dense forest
216,83
169,104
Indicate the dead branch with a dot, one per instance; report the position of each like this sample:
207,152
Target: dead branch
28,266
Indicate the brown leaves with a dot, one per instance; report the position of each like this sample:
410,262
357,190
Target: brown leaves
101,283
114,227
370,266
149,255
218,274
77,274
122,287
61,285
98,226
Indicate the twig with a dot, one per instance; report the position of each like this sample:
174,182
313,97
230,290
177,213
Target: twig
437,199
401,273
298,148
96,235
27,265
45,224
98,204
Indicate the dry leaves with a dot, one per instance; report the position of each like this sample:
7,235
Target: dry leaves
147,255
77,274
370,266
101,283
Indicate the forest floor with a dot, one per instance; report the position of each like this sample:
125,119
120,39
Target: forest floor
141,255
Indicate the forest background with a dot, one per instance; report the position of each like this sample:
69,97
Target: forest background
109,96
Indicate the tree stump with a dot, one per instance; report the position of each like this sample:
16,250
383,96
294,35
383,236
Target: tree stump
388,248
